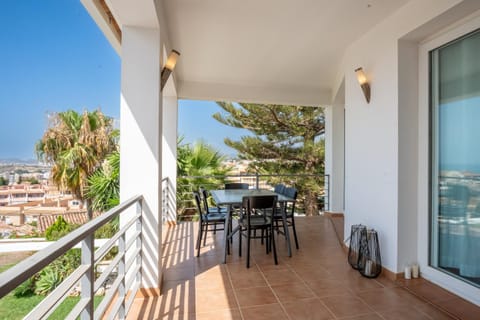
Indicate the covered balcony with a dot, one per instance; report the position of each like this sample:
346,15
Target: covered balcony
379,151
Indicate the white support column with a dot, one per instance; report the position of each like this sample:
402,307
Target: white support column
335,151
141,143
169,154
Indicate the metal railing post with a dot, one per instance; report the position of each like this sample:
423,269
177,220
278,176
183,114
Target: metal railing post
327,193
257,178
138,241
88,278
122,275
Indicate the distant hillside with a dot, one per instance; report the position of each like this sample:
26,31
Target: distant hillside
18,161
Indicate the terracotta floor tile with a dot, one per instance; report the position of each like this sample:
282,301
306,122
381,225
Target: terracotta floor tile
255,296
410,282
357,283
265,312
247,280
327,287
384,281
274,267
240,268
230,314
181,300
404,314
292,291
433,312
384,299
431,292
281,276
309,273
215,300
213,279
345,306
368,316
461,308
307,309
181,273
318,278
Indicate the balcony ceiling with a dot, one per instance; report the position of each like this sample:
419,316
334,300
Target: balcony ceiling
271,45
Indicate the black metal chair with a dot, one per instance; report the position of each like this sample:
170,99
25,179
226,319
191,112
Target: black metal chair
236,185
255,217
204,197
212,210
279,188
289,208
207,220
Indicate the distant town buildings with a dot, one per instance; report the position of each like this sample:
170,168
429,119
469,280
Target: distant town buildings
30,198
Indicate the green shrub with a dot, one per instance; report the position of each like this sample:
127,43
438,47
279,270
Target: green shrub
48,280
58,229
26,289
108,230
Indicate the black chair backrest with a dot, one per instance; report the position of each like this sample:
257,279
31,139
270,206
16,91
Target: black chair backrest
291,192
251,203
204,197
236,185
279,188
198,201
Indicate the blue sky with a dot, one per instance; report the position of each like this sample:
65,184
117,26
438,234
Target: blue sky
195,122
53,57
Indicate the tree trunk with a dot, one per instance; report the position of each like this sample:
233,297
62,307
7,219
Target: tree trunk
311,205
88,203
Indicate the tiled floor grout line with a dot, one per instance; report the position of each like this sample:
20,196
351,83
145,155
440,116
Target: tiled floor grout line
374,311
234,292
274,293
314,294
431,303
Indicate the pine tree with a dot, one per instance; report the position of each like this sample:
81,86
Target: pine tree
285,140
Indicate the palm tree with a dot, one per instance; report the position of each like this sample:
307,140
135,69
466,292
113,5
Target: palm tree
104,184
194,164
75,145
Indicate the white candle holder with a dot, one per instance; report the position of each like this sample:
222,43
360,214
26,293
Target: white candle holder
415,272
408,272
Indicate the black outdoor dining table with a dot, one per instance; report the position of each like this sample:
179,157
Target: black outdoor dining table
234,198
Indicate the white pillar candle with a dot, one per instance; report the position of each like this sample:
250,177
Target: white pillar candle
408,272
415,271
368,267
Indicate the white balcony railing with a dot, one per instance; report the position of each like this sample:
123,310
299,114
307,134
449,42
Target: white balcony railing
126,273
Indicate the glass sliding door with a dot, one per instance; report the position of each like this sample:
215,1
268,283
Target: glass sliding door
455,158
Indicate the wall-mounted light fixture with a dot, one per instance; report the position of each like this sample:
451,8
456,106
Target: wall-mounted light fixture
168,67
362,80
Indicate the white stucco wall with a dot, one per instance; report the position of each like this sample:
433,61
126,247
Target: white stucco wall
169,158
140,140
374,145
334,150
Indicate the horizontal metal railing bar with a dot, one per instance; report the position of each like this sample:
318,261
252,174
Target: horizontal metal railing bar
75,312
107,246
47,305
98,283
17,274
133,239
129,282
107,299
256,175
131,297
132,258
114,310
